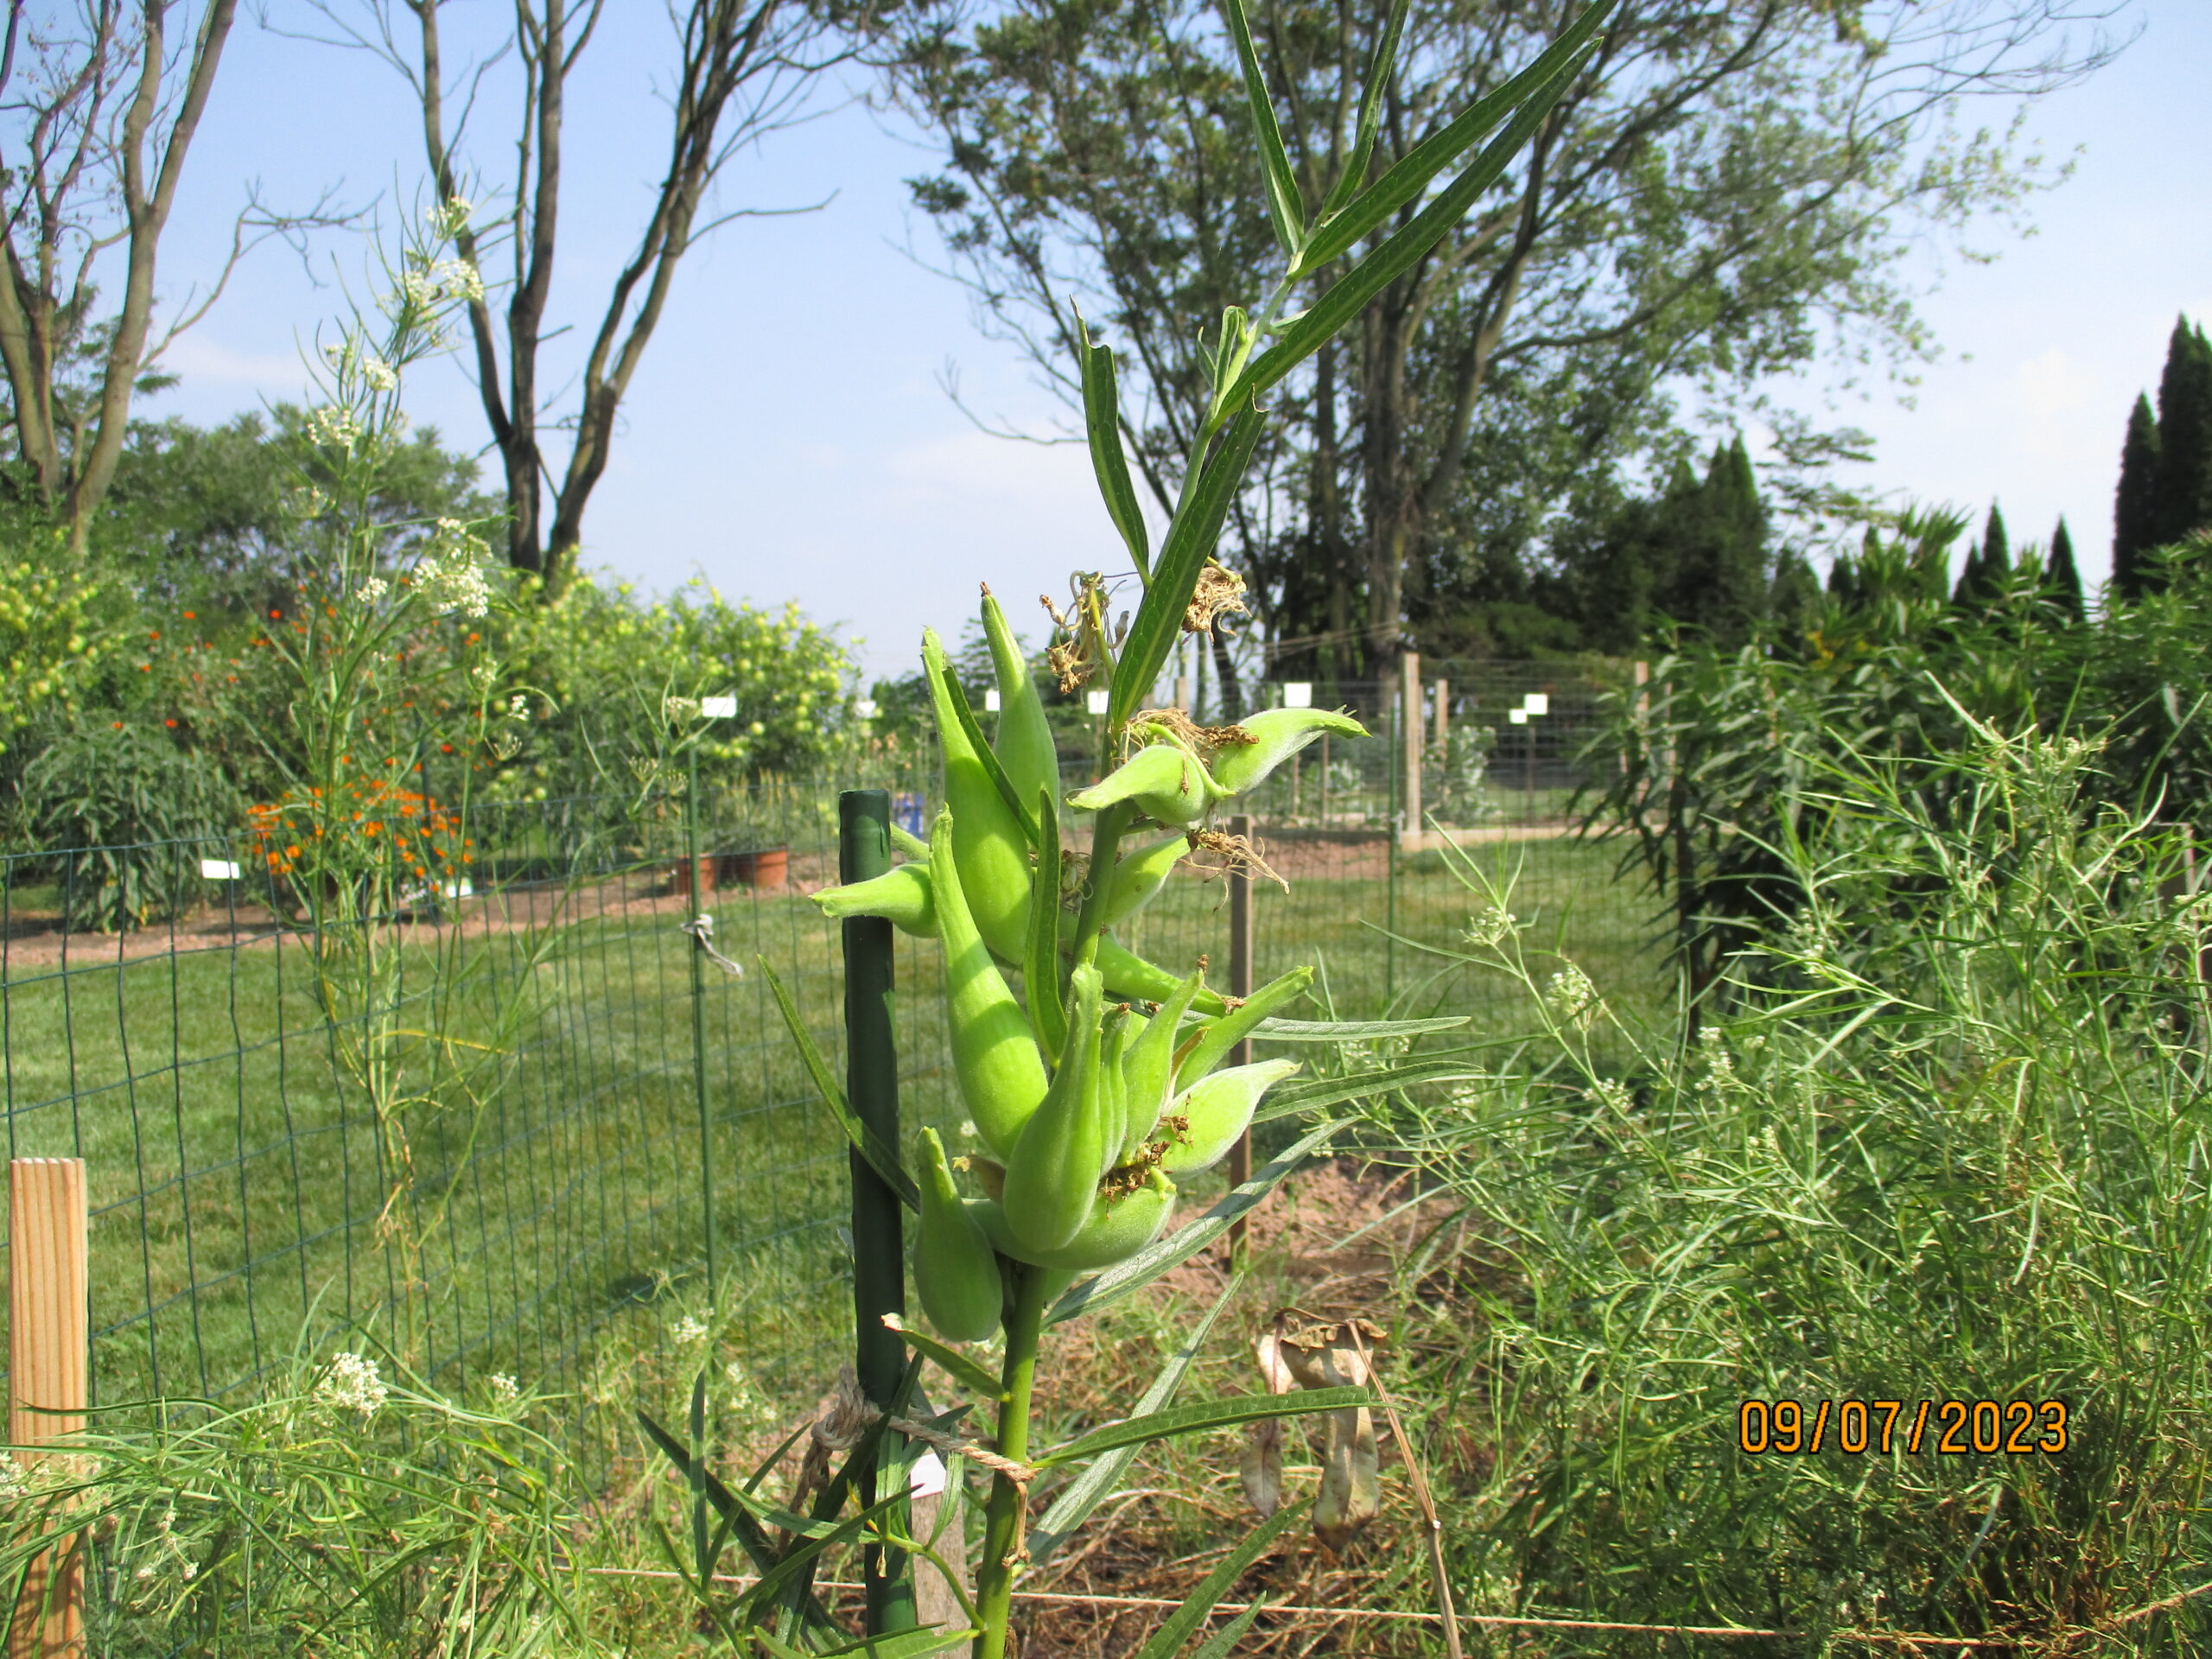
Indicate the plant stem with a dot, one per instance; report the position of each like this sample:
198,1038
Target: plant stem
1002,1517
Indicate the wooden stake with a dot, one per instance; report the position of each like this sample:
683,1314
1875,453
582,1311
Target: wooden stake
1240,984
49,1336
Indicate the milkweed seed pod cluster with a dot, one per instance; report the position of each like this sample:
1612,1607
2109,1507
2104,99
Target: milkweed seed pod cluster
1101,1081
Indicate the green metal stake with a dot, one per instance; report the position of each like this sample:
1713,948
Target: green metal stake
878,1248
700,1543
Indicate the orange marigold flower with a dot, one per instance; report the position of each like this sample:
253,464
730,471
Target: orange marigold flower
118,725
192,616
171,724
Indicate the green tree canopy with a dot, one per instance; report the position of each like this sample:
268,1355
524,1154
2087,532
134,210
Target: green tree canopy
2134,510
2062,576
1718,194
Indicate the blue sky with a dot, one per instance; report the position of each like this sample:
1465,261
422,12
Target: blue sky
787,435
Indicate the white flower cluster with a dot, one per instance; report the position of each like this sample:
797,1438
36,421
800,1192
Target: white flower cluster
352,1384
427,288
450,217
332,425
1612,1094
505,1389
519,707
14,1483
690,1329
1573,998
1489,929
373,591
450,577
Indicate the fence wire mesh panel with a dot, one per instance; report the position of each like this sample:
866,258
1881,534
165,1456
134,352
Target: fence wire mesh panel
468,1130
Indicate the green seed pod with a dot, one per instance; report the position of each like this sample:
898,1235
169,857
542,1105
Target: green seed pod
901,895
994,1054
1276,735
1149,1066
1129,974
1204,1122
1051,1175
1113,1094
1164,781
1023,741
1121,1225
994,848
1232,1028
955,1271
1139,876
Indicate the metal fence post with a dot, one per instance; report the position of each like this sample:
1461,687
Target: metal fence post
1390,898
49,1338
879,1247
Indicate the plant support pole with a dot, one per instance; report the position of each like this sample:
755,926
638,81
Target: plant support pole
49,1336
1240,986
878,1246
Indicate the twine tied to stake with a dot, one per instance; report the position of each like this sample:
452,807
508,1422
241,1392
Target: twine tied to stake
702,930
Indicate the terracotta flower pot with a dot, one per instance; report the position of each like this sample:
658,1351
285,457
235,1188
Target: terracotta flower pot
768,867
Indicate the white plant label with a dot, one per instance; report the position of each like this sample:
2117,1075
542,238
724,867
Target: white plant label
991,701
1298,694
218,869
1097,701
1518,717
865,708
718,707
926,1478
1536,702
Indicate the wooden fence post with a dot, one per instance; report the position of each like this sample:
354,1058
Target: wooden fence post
50,1337
1239,985
1442,729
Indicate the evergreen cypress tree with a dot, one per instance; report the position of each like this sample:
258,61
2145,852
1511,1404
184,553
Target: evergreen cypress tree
1967,595
1794,599
2181,499
2062,577
1737,525
2132,503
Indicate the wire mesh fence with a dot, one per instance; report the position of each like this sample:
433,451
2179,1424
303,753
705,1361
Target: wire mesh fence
518,1127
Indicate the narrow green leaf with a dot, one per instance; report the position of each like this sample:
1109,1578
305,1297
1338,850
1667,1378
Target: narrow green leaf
1353,1031
1405,181
1290,1099
1190,542
750,1534
1125,1278
1102,425
954,1363
1200,1416
1222,1642
882,1158
1042,985
956,695
1379,71
801,1557
1200,1603
1283,205
1088,1489
907,1644
1349,296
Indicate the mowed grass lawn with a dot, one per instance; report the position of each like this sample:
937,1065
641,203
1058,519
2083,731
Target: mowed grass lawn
240,1187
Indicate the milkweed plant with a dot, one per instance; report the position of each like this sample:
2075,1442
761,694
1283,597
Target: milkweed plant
1099,1084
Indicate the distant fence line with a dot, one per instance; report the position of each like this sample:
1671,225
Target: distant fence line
242,1181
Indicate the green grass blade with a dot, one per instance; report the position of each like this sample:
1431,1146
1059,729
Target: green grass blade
1404,182
907,1644
954,1363
882,1158
1349,296
1222,1642
1183,556
1379,70
1087,1491
1284,208
1353,1031
1200,1415
1126,1277
1316,1092
1102,425
1200,1603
